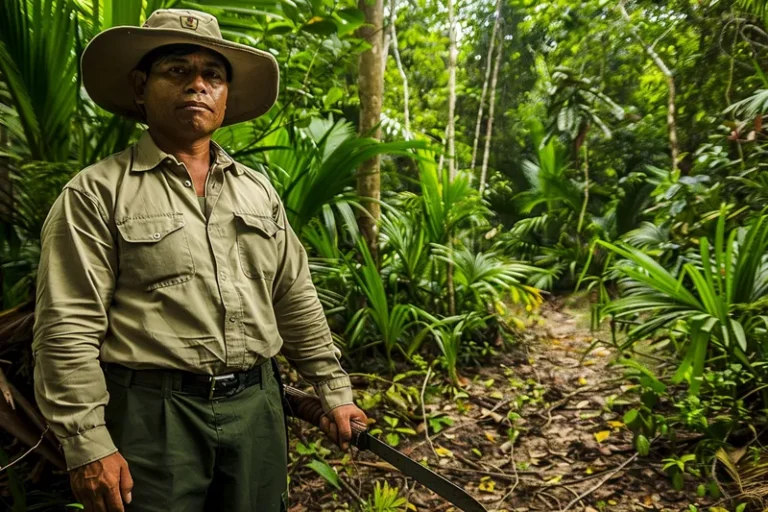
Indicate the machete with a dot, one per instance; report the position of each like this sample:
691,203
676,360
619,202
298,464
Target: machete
308,408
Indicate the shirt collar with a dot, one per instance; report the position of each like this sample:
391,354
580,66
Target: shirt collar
148,156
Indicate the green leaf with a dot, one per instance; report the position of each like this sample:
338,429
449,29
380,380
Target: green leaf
325,471
677,481
303,449
333,96
320,26
642,445
279,28
392,422
392,439
738,331
630,416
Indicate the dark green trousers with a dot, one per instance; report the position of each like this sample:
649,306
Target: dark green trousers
190,454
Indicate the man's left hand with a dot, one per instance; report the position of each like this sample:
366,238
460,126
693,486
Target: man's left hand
337,424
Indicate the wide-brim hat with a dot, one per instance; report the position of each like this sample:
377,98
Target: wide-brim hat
110,57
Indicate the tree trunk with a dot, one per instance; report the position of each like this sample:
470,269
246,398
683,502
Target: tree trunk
488,67
451,136
491,109
583,212
396,52
674,148
370,85
451,89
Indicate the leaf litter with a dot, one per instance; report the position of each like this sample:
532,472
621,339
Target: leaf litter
533,430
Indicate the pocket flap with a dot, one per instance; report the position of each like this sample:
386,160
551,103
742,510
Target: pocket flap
264,225
149,229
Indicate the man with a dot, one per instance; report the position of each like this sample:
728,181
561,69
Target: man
168,278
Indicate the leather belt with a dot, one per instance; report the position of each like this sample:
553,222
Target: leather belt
209,386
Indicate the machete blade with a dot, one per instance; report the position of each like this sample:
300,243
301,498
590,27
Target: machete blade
426,477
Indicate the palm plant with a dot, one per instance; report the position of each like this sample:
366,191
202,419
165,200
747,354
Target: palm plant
757,7
547,176
391,320
315,166
724,311
38,65
447,204
483,278
449,334
406,241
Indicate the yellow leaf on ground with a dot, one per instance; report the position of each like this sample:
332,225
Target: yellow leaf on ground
487,485
615,424
589,470
602,435
490,436
582,381
555,479
443,452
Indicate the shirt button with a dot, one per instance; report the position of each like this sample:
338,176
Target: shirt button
156,236
232,319
187,183
223,276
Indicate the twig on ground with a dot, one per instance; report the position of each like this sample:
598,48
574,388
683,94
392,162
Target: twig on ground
384,466
424,412
541,495
600,483
351,491
500,476
514,469
468,462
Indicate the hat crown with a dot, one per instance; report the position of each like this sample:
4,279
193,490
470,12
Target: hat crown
199,22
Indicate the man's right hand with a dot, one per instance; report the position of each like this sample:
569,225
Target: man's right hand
103,485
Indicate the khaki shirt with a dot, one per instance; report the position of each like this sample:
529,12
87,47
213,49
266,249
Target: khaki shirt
132,271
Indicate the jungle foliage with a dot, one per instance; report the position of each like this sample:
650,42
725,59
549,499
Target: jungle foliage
627,162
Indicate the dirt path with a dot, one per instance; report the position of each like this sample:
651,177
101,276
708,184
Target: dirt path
570,449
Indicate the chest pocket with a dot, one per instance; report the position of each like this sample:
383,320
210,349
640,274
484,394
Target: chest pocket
257,244
154,251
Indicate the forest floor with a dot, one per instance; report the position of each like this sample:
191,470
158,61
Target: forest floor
572,450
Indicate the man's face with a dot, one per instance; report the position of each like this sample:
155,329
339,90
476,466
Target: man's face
184,96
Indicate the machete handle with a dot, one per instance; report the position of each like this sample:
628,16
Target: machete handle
308,407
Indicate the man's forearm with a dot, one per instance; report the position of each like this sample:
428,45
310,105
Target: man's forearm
71,394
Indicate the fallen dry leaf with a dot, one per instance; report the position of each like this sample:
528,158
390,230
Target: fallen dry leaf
602,435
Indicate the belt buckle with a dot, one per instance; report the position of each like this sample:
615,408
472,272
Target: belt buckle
217,378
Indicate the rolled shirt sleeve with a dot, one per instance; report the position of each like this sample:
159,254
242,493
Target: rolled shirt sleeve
307,340
75,284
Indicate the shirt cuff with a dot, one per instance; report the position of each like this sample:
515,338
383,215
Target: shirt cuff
335,392
87,446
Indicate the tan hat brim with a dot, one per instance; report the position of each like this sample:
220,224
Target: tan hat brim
110,57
